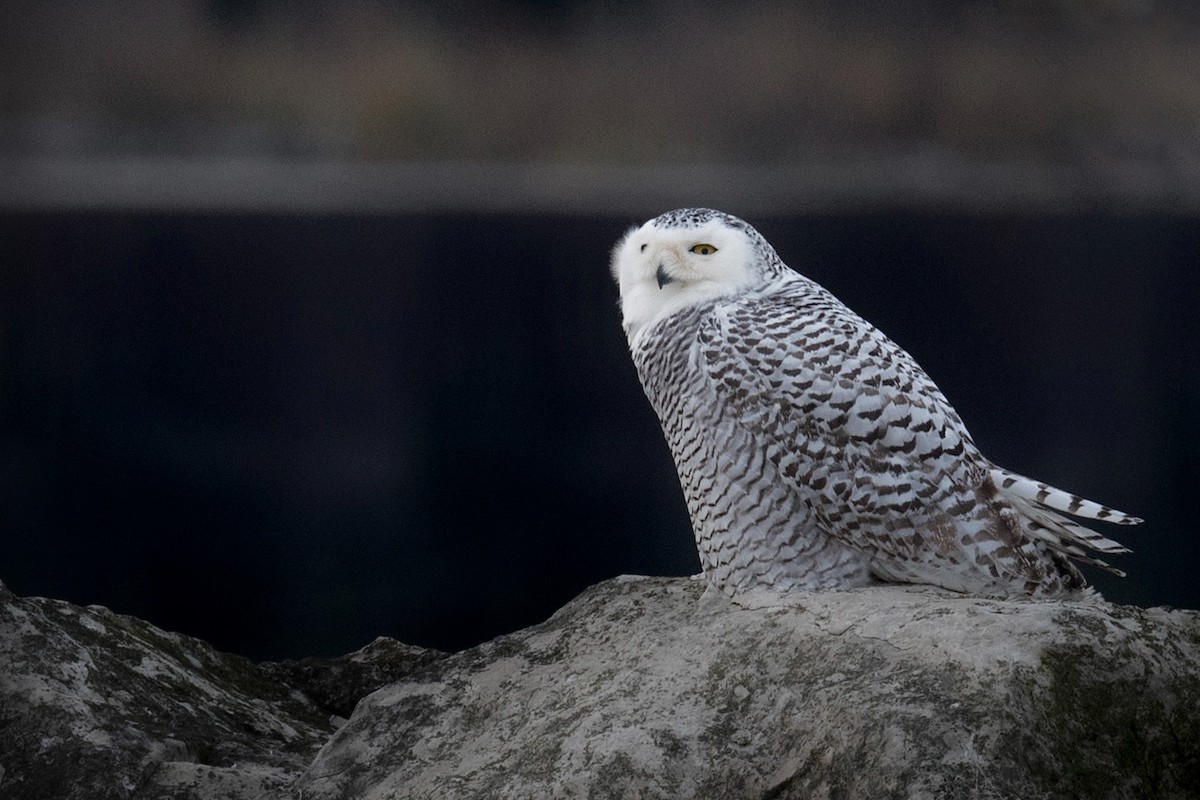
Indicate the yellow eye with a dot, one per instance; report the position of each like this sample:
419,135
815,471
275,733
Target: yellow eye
703,249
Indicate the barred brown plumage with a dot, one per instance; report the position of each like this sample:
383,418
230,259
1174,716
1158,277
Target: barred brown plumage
812,450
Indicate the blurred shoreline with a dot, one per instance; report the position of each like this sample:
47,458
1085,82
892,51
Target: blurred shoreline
1093,85
913,181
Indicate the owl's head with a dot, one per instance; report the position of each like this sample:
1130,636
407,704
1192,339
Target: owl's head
687,257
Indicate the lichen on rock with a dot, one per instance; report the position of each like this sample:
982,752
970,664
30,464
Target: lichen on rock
96,705
641,687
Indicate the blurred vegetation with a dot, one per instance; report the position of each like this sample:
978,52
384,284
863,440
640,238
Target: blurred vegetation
655,81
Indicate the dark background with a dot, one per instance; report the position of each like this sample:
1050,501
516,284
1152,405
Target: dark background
289,434
306,328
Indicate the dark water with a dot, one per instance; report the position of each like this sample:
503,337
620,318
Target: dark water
288,435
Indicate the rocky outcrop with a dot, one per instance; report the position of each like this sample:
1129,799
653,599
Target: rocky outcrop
335,685
638,688
96,705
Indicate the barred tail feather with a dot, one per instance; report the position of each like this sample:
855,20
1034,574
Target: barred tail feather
1041,494
1039,504
1067,537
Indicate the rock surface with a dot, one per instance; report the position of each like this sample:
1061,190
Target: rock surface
337,684
638,688
95,705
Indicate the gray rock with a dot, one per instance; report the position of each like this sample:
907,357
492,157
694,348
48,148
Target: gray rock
639,688
336,684
97,705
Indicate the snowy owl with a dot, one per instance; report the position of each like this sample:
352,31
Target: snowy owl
813,451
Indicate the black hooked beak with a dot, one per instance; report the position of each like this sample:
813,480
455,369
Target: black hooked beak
662,277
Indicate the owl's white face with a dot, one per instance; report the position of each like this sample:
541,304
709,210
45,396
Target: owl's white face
664,270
